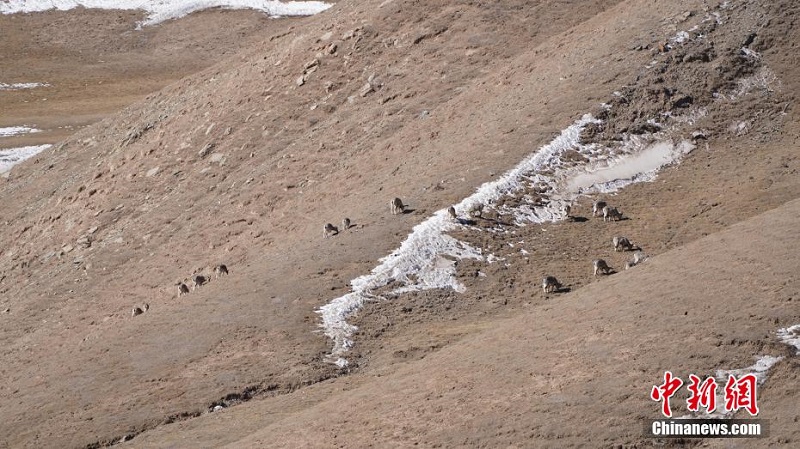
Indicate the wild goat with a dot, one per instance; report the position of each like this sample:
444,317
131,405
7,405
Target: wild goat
567,211
611,213
182,289
638,257
140,310
597,208
452,212
622,244
329,230
198,280
601,267
220,270
396,206
345,224
550,284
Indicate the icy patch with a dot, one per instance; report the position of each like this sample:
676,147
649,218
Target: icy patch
639,167
162,10
759,369
791,336
681,37
20,86
17,130
12,156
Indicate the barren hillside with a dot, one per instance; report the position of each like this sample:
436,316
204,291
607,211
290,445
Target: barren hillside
332,116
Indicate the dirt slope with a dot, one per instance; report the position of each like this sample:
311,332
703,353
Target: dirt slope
573,371
242,164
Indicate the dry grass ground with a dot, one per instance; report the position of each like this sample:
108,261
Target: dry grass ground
239,164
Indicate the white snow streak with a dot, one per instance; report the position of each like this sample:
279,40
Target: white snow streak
12,156
162,10
16,131
20,86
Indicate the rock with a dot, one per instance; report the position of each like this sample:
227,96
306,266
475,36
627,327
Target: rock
206,150
152,172
366,90
683,102
92,230
313,63
331,49
217,157
67,248
84,241
300,80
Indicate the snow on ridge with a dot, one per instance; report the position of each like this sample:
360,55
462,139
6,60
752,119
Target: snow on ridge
20,86
162,10
12,156
17,130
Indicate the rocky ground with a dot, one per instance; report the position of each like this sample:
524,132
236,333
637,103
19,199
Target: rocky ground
331,116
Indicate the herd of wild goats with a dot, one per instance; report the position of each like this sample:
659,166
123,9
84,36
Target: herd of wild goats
197,279
549,284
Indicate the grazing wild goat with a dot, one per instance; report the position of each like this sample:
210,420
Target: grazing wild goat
622,244
198,280
568,212
597,208
638,257
452,212
600,267
140,310
182,289
396,206
550,284
611,213
329,230
220,270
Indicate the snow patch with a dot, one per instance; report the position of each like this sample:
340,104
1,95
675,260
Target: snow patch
12,156
20,86
790,336
162,10
17,130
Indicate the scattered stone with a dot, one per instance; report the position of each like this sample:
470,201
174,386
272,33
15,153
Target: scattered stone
152,172
313,63
217,157
300,80
683,102
365,90
84,241
206,150
67,248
